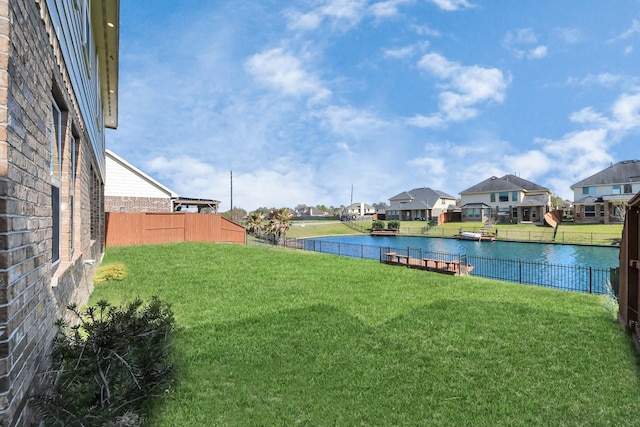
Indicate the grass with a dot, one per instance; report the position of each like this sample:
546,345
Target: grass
568,232
270,336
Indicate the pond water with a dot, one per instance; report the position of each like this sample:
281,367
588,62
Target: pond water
567,267
571,255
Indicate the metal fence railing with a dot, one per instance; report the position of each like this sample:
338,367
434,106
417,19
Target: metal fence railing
594,280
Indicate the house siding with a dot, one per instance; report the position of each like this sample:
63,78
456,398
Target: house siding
35,290
128,190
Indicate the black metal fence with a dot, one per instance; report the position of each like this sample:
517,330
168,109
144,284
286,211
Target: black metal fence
593,280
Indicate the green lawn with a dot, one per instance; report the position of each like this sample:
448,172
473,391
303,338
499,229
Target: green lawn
270,336
568,232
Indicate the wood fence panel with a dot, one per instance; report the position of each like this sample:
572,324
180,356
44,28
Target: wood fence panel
629,276
139,228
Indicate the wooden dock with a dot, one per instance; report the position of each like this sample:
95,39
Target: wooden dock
453,268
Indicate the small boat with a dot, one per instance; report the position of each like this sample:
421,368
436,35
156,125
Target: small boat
479,237
467,235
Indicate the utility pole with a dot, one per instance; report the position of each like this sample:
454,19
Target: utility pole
232,218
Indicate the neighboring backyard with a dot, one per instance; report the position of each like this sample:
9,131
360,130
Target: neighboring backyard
271,336
568,232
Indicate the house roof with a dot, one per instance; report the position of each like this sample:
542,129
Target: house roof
475,205
534,200
506,183
425,194
622,172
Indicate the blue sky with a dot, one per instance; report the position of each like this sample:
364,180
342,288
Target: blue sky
304,99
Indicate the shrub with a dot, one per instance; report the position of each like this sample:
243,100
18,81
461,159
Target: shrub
394,224
104,368
107,272
378,225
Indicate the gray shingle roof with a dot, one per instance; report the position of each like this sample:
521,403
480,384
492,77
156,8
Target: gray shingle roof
425,194
506,183
620,173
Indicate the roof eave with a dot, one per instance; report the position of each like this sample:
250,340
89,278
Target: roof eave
105,19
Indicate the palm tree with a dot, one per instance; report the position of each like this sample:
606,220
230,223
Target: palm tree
279,223
255,224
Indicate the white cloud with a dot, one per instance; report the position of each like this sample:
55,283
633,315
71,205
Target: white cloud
635,29
340,13
569,35
520,42
407,51
452,5
433,121
464,88
424,30
537,52
388,8
348,121
285,72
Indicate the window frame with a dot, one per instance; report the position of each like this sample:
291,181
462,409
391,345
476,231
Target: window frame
55,170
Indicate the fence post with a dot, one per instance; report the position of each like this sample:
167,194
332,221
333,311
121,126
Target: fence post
590,280
520,271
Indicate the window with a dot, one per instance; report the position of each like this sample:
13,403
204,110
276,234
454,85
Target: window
86,35
601,210
493,197
504,196
72,192
55,166
589,211
514,196
628,189
514,212
616,189
588,190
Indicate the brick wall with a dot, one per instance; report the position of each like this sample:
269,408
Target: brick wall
137,204
34,291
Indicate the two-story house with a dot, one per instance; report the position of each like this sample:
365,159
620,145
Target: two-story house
602,197
419,204
509,199
359,210
58,93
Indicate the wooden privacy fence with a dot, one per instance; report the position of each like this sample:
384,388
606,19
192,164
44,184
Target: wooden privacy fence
139,228
629,279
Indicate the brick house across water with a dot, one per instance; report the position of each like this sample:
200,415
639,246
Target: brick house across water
58,93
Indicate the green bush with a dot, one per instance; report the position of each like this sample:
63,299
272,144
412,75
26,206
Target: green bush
104,368
394,224
378,225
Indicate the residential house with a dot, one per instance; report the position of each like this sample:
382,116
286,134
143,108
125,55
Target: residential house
310,212
602,197
419,204
59,91
509,199
380,211
359,210
128,189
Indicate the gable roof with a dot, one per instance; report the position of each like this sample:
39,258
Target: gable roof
508,182
620,173
110,155
425,194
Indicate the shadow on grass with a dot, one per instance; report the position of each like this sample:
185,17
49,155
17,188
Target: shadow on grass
440,364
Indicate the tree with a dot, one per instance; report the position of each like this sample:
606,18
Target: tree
255,224
279,223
